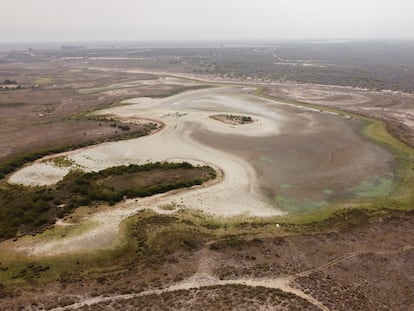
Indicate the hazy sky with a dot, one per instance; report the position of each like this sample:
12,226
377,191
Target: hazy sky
104,20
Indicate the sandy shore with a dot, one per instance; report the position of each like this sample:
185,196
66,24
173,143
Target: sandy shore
189,134
236,193
38,174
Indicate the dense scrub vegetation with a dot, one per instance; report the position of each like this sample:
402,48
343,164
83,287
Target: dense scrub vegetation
9,82
374,65
158,236
32,209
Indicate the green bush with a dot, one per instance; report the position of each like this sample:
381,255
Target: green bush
30,209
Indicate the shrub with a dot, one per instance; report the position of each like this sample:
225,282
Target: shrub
28,209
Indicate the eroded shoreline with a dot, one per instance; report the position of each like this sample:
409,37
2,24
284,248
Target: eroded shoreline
185,116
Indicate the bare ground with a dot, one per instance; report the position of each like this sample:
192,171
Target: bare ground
394,107
46,115
369,267
305,146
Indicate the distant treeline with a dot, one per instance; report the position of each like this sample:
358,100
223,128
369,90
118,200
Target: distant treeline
374,65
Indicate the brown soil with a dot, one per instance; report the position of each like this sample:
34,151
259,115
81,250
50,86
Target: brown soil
230,297
43,116
368,267
394,107
154,177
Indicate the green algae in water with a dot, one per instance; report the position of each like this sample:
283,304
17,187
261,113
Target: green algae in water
327,191
285,186
374,187
298,205
265,159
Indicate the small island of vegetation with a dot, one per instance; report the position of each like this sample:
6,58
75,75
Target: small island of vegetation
232,119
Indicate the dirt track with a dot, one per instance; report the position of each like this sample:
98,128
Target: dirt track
366,268
204,278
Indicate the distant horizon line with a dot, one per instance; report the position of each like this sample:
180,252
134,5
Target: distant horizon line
206,40
159,44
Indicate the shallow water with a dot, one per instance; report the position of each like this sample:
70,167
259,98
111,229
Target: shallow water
292,158
317,158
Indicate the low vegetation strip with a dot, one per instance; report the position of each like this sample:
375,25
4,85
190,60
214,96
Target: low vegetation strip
33,209
232,119
10,165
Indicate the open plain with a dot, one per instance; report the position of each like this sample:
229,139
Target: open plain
311,208
301,167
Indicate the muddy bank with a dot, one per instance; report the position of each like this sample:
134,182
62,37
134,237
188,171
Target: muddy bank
288,159
317,158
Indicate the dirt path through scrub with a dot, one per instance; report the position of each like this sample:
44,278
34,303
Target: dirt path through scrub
204,278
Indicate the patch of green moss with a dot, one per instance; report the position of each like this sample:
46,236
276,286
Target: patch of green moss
327,191
304,205
374,187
